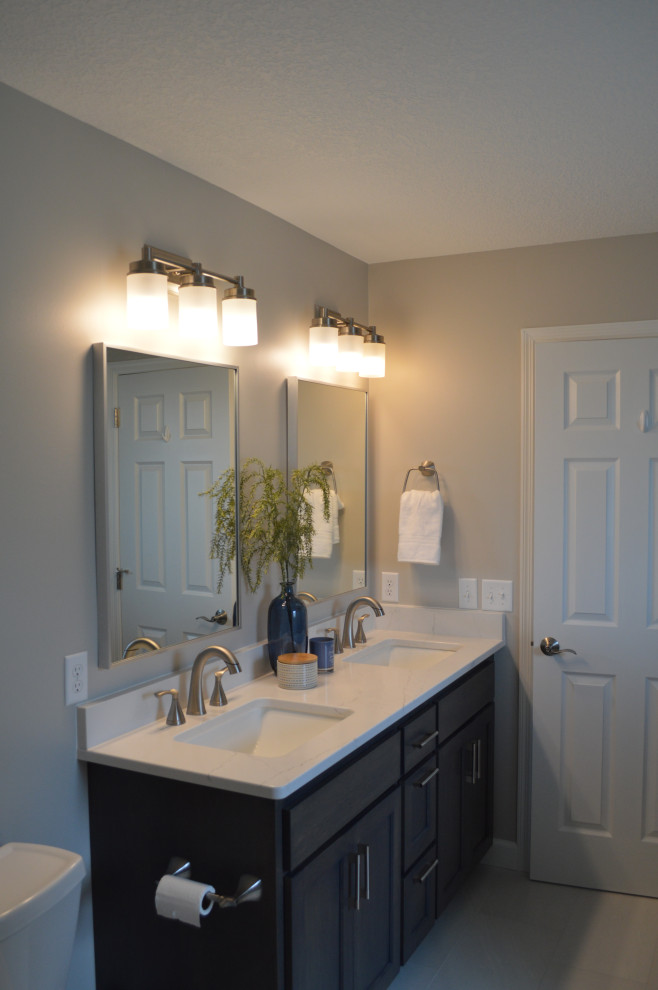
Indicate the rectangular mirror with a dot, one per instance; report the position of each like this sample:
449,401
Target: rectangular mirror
328,425
164,430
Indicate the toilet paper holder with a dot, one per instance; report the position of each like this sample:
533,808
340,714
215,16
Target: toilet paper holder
249,887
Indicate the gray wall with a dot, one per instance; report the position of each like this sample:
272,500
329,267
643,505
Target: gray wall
452,393
76,206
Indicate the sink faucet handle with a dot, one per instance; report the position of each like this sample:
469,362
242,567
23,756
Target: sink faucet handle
175,716
218,697
338,646
360,633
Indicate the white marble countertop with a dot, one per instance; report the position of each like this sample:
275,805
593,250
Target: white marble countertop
129,730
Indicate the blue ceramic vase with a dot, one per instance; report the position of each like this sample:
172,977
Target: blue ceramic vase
287,627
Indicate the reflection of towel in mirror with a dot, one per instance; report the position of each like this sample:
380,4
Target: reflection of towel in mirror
421,522
326,531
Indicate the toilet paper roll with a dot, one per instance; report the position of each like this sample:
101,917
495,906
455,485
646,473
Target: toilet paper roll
182,900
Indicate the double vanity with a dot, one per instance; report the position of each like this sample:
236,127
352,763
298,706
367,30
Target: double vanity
361,804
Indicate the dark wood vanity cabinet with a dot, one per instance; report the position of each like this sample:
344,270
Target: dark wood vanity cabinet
345,906
355,866
465,780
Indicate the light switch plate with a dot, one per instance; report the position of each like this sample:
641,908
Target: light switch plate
468,592
497,596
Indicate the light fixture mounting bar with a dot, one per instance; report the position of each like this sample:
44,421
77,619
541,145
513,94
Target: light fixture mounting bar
178,264
344,321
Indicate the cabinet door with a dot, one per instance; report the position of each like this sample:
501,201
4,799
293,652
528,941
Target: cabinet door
377,922
345,908
465,801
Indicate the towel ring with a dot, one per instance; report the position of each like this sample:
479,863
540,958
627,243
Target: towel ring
328,469
428,470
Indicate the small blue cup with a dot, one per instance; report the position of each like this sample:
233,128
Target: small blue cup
323,648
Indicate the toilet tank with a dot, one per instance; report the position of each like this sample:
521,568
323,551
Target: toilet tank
39,900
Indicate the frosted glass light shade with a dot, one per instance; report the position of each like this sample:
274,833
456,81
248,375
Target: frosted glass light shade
239,322
147,306
323,346
197,310
350,352
374,360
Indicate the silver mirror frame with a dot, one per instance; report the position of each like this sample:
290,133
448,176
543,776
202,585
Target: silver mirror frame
293,447
102,474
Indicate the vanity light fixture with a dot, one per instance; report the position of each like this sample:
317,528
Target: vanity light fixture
158,272
340,342
374,356
323,340
350,347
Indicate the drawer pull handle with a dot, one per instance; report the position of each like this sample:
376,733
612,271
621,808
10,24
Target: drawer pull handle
422,877
426,779
428,739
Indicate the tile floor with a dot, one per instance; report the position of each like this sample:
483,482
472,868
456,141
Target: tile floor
505,932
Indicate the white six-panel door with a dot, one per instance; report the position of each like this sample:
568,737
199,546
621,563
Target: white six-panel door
594,819
173,441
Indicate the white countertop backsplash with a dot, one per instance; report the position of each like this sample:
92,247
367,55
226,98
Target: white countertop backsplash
128,729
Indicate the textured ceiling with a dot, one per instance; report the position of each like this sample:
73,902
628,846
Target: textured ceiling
390,128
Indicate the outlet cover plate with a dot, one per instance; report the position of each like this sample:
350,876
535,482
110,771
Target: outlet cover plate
497,596
389,586
75,678
468,592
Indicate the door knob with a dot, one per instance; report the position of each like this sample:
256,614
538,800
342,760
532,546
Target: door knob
551,647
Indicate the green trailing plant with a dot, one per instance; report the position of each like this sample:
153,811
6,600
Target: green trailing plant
224,538
276,520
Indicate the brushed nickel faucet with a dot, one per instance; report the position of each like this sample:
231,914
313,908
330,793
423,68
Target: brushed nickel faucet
195,705
348,631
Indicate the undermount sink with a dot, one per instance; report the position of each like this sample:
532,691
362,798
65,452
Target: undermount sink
264,727
403,654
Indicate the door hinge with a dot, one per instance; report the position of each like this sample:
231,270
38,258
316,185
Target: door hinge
117,417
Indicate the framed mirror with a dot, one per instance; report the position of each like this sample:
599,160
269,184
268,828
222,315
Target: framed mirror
164,430
328,425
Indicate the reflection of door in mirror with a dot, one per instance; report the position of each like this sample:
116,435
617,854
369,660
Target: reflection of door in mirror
328,423
173,433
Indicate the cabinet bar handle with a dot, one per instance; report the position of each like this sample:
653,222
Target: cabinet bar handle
479,758
428,739
422,877
357,899
426,779
364,850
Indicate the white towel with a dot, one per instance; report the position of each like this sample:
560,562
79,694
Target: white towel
421,522
325,531
335,506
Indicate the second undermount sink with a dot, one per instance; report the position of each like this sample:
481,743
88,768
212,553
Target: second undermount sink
403,654
264,727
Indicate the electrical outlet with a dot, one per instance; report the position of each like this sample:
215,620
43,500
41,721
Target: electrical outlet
389,586
358,579
497,596
75,672
468,592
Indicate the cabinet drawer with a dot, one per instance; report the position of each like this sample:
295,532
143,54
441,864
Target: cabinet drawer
419,738
336,803
420,790
419,902
465,699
